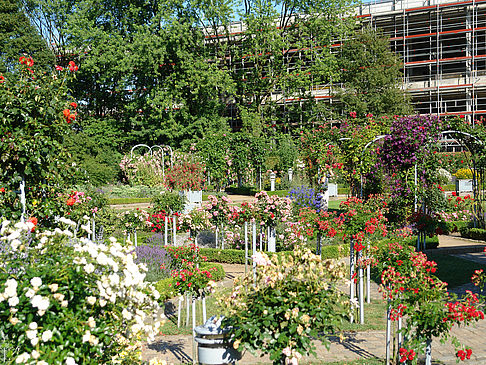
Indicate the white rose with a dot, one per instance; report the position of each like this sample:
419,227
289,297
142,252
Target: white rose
89,268
102,302
35,354
53,287
11,288
86,336
47,335
14,320
42,362
64,303
70,361
30,293
40,302
126,314
31,334
33,325
36,282
34,341
22,359
15,244
91,300
91,322
13,301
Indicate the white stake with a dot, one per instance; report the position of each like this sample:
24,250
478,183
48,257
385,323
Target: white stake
351,277
174,228
388,333
246,247
166,231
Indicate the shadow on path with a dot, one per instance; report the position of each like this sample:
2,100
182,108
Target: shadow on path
174,347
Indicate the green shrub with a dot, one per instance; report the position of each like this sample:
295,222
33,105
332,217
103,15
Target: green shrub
228,256
430,243
452,226
120,201
167,201
231,256
58,294
217,274
137,191
473,233
166,289
343,191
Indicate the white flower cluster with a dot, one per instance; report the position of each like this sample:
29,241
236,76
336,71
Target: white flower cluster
115,280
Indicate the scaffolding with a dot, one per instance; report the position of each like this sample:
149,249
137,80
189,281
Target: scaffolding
443,48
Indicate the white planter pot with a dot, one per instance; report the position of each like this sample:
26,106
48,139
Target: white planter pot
464,186
193,199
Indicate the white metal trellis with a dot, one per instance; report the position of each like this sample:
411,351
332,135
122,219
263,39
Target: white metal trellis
162,148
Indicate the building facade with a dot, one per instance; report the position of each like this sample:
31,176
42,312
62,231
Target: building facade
443,47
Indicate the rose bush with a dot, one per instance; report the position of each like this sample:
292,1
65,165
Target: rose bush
71,301
291,300
35,117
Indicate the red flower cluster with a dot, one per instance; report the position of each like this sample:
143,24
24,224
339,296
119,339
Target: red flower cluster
28,61
406,354
463,355
68,115
72,66
464,311
34,221
2,79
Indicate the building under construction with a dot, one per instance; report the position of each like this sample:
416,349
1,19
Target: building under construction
443,48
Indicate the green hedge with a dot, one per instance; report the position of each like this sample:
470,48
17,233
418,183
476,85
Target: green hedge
120,201
343,191
251,191
453,226
473,233
217,274
430,242
227,256
165,288
231,256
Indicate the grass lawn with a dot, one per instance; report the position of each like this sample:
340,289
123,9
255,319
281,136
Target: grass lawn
454,270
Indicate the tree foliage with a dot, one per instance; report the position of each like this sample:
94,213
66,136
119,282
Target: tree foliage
371,76
18,37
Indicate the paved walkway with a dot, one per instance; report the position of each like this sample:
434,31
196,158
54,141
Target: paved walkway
356,345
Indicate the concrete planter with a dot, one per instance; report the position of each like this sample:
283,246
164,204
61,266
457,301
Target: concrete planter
214,344
193,199
464,186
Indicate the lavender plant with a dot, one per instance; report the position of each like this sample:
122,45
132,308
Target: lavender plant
157,260
304,197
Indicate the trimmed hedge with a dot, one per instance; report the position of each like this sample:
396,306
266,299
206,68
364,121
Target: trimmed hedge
165,289
121,201
231,256
343,191
217,274
453,226
227,256
473,233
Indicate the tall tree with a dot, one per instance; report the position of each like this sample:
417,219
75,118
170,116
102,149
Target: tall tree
18,37
371,76
281,50
143,69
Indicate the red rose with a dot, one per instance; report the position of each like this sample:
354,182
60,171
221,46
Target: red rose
2,79
2,190
72,66
73,105
70,201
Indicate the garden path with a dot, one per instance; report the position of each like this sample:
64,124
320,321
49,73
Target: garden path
356,345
